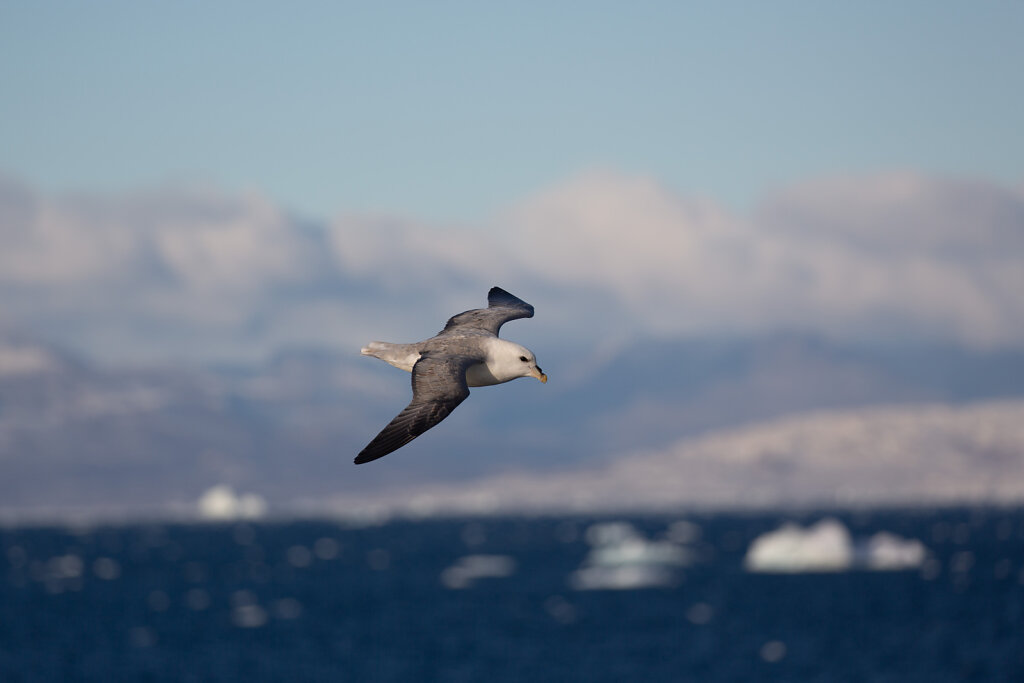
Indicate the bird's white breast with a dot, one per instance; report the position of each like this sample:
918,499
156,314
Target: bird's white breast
480,375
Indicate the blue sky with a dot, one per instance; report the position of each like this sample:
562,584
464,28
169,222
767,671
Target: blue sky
450,111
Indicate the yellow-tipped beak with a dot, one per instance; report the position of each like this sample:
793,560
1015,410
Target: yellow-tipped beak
540,375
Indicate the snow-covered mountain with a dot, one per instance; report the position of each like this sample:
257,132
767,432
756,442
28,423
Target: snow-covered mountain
75,436
890,455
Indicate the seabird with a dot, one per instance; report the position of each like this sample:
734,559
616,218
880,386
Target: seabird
466,353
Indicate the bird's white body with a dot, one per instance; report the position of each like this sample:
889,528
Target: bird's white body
503,361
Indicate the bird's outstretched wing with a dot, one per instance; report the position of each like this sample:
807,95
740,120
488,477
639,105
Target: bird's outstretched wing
501,307
438,386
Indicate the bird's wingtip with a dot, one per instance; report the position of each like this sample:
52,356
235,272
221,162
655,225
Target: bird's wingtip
500,297
367,455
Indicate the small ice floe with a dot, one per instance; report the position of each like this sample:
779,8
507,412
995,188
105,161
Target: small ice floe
220,504
470,568
623,559
828,547
886,552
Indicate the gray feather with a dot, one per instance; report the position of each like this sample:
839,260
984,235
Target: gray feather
501,307
438,386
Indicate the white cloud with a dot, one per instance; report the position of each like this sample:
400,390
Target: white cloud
890,255
899,255
24,359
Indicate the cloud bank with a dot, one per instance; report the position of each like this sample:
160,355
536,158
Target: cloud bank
199,274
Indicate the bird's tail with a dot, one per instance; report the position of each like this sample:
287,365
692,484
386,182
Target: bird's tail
402,356
374,348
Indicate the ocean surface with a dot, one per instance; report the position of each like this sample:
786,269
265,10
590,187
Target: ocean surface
653,598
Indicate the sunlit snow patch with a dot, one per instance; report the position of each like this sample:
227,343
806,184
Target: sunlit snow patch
468,569
220,503
622,559
828,547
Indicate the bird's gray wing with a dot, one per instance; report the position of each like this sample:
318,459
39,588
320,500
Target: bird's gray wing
438,386
501,307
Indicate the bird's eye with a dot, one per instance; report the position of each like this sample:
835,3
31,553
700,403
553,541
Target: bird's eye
524,359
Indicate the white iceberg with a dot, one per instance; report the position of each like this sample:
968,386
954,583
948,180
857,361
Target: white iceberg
639,551
888,552
623,559
828,547
824,547
469,568
220,503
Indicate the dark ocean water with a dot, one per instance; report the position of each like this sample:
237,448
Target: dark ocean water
322,601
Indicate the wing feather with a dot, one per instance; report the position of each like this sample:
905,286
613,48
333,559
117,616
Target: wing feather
501,307
438,386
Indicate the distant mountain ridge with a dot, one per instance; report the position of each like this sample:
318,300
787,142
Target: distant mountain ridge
894,455
76,435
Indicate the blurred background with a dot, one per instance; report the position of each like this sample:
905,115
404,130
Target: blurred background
776,252
796,230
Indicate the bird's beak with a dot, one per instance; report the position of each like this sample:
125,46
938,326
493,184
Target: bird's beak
539,374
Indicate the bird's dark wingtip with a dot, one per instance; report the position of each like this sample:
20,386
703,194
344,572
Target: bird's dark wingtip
365,457
497,293
499,297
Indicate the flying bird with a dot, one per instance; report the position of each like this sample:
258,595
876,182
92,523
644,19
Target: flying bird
466,353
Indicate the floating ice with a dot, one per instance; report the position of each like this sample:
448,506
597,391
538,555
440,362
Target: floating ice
624,577
220,503
609,533
639,551
65,567
622,559
824,547
886,551
472,567
828,547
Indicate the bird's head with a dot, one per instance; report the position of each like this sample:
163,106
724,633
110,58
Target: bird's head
525,363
